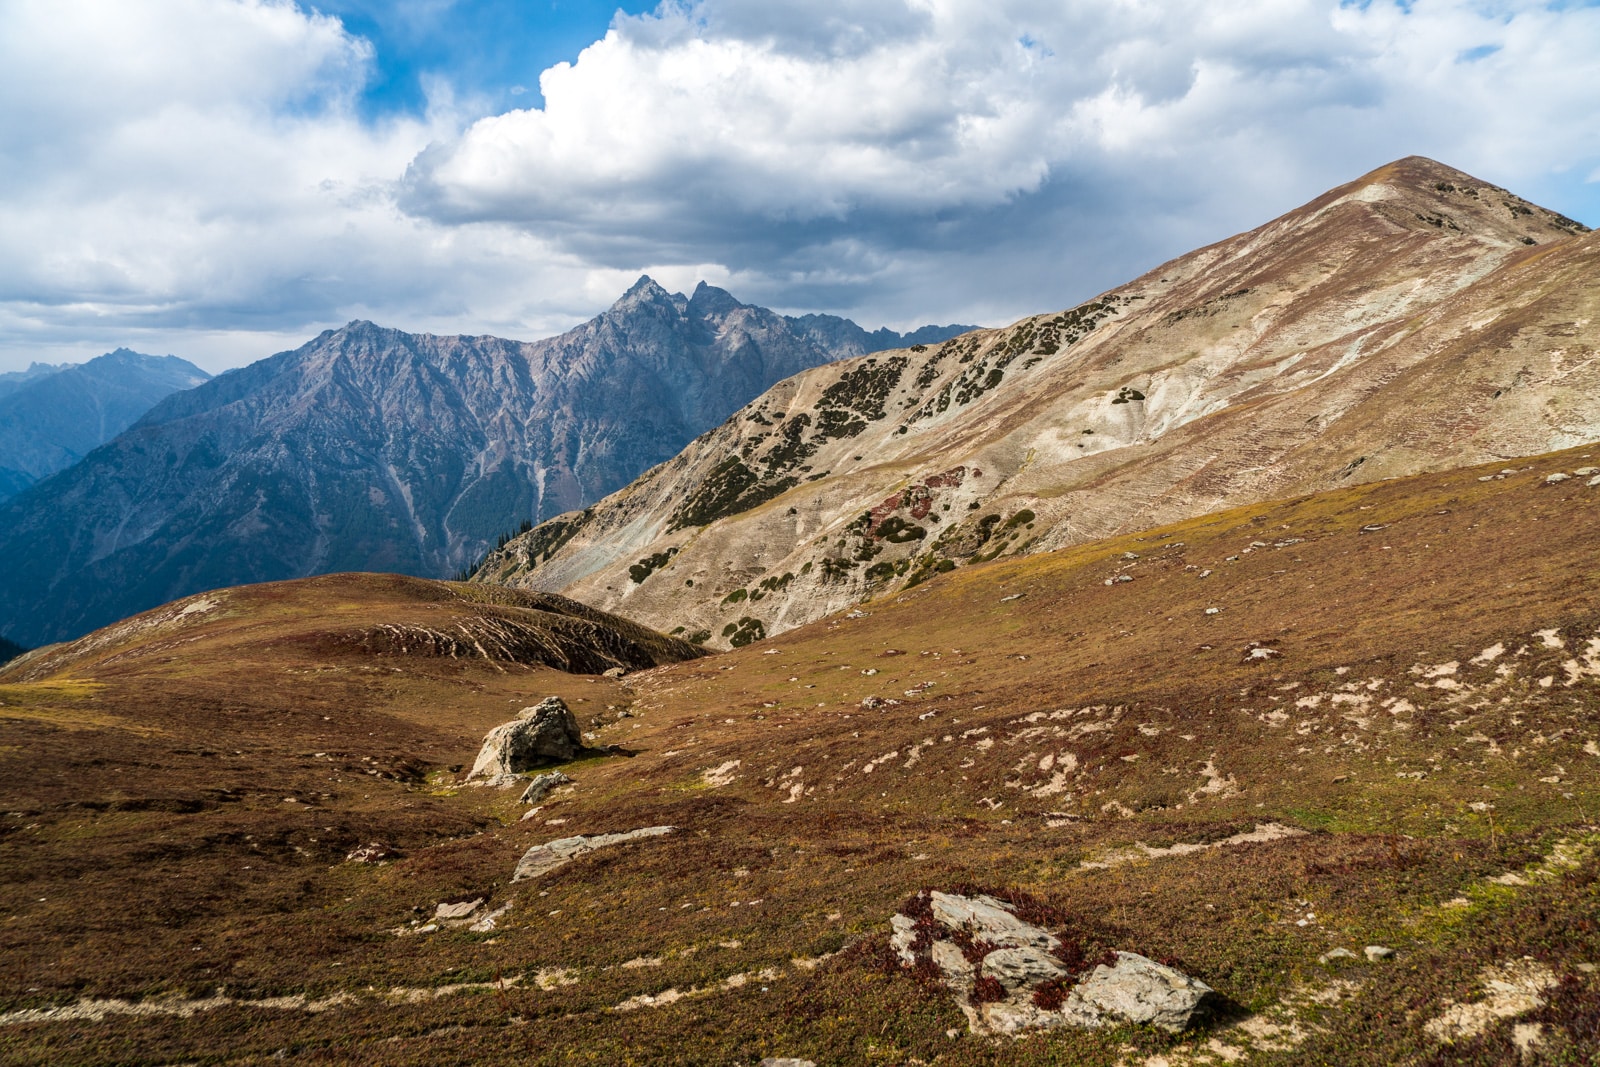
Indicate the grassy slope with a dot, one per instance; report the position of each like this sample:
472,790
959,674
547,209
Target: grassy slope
147,808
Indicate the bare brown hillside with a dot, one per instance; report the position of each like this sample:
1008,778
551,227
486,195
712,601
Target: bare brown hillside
1415,319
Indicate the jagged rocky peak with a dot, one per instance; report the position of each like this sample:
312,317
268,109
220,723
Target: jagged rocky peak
709,301
644,291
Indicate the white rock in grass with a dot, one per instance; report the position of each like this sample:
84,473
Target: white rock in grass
542,859
1138,990
543,734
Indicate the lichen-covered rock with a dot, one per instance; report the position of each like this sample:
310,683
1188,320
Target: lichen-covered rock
988,919
540,735
1137,990
1026,977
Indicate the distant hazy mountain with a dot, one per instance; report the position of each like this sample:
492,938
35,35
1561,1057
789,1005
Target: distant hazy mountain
12,380
374,449
1416,319
51,417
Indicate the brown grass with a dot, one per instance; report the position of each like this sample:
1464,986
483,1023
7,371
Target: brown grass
149,850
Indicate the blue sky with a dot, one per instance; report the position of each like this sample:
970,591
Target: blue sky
491,49
222,179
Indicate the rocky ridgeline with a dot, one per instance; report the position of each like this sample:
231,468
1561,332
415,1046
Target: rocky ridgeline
1010,975
424,448
1284,361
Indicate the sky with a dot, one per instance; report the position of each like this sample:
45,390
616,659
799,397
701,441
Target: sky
223,179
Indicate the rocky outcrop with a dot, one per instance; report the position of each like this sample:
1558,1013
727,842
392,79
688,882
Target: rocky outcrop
1010,975
542,859
540,735
1415,319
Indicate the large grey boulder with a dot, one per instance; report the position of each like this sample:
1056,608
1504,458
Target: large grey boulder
540,735
1020,983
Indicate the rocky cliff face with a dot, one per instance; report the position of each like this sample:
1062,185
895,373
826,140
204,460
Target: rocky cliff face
1415,319
374,449
51,417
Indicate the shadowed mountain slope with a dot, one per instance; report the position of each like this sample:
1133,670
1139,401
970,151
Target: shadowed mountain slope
1415,319
52,417
375,449
1365,717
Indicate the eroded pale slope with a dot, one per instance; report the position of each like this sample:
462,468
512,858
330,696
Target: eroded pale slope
1413,320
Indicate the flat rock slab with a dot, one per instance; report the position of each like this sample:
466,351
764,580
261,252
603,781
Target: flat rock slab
988,919
542,859
457,911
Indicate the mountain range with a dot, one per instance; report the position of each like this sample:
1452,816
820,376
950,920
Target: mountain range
1414,319
53,416
375,449
1220,684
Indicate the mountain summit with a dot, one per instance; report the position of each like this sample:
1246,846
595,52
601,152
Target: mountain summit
374,449
1414,319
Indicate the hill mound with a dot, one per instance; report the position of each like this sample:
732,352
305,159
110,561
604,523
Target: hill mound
365,617
1249,744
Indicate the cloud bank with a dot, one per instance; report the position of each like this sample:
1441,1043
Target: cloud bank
196,169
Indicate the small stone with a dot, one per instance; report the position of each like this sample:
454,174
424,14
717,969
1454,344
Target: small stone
1213,611
542,784
1585,472
952,962
457,911
904,934
1337,954
1378,952
614,672
1556,478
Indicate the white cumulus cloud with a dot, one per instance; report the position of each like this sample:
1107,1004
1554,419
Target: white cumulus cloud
196,176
